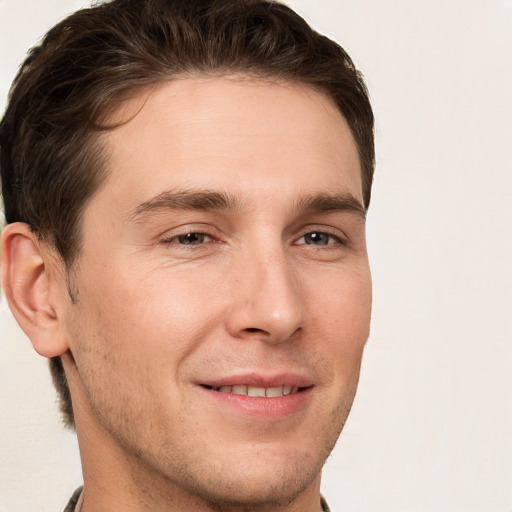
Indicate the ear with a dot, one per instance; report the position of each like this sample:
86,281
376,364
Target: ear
26,283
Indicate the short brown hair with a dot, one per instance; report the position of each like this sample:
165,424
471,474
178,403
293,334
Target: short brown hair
50,161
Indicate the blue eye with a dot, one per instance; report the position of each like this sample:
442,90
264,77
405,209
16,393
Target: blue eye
191,239
318,238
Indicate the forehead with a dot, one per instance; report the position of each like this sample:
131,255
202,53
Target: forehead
232,133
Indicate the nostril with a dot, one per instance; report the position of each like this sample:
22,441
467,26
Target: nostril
255,329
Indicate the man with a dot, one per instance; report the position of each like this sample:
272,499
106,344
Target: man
185,187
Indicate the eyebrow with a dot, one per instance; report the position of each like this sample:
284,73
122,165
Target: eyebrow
186,200
341,202
208,200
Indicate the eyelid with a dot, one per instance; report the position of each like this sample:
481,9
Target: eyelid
327,230
169,235
199,229
205,235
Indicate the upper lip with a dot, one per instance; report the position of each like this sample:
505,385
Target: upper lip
260,380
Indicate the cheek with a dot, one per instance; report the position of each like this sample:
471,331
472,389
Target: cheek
341,311
342,299
149,315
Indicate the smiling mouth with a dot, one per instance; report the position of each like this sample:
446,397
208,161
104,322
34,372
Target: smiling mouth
256,391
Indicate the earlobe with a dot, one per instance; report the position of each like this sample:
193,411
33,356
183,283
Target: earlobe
26,284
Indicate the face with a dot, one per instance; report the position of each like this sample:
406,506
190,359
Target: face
223,291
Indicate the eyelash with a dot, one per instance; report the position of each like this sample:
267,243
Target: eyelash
172,239
332,236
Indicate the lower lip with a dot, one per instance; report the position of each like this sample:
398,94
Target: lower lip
269,409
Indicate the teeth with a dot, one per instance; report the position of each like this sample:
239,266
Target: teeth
256,391
240,390
274,391
287,390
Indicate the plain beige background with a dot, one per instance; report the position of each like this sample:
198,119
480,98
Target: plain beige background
431,429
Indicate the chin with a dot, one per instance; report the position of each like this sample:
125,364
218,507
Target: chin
257,478
269,490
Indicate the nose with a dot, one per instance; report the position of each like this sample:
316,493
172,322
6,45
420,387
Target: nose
268,302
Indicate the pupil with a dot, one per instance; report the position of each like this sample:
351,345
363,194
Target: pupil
317,238
192,239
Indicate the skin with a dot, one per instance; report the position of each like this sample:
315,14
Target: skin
271,287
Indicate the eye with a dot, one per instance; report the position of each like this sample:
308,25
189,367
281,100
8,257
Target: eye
318,238
190,239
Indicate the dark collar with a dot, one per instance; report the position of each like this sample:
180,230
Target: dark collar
73,501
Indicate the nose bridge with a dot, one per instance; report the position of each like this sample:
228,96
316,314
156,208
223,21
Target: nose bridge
269,302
